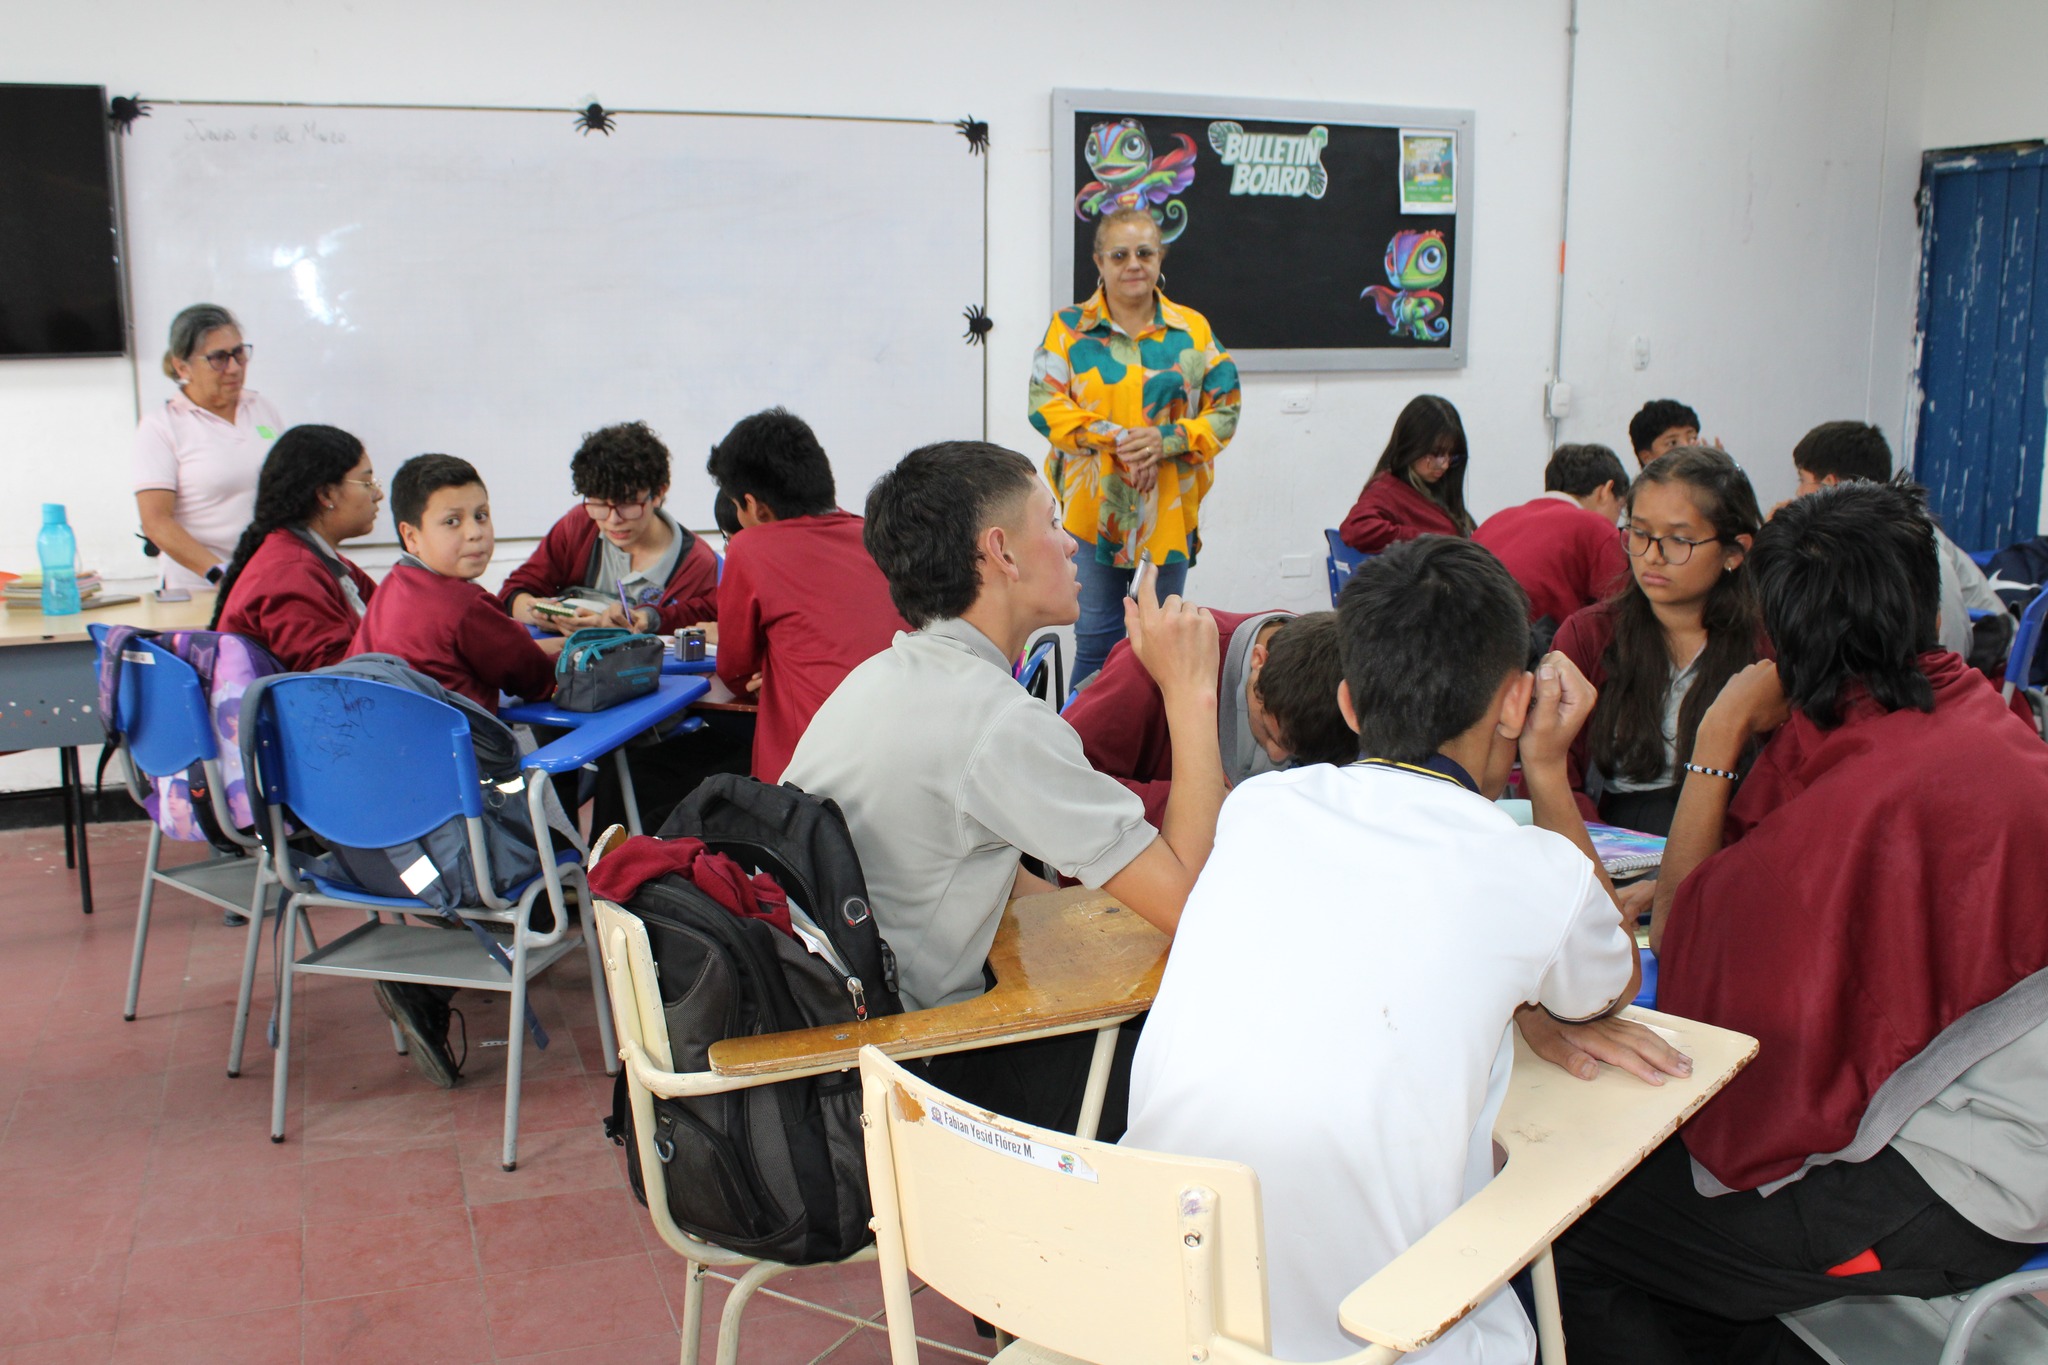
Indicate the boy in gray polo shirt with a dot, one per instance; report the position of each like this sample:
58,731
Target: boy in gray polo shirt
948,771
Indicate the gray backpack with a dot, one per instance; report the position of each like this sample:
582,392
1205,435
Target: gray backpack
508,827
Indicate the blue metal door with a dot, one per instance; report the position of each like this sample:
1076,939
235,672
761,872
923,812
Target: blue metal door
1984,342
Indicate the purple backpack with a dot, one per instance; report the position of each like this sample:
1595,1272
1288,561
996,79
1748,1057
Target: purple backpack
226,664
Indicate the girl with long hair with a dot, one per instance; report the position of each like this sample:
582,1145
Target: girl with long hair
288,586
1418,487
1685,621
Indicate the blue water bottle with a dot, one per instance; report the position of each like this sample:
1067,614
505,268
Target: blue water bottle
58,549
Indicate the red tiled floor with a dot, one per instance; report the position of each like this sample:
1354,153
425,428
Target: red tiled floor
150,1218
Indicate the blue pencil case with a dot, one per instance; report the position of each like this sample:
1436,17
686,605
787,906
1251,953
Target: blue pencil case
602,666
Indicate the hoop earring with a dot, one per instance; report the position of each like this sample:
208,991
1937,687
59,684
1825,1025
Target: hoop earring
1162,280
1099,285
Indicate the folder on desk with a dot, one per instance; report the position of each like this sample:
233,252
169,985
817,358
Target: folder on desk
1626,852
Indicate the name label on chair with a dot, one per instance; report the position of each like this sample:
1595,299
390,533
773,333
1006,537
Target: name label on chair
421,875
137,656
1013,1145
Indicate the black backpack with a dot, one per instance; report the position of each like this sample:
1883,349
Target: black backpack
778,1171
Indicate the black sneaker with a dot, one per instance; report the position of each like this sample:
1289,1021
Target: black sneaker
422,1014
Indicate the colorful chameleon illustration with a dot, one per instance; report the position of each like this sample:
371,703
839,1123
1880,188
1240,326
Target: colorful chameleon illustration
1416,263
1127,176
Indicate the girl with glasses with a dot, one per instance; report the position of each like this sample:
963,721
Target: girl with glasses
1685,621
1418,487
196,458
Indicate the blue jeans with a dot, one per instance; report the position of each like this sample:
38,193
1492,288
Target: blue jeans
1103,589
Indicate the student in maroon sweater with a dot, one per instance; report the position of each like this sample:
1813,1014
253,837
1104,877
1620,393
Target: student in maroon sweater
621,534
1418,487
287,587
1563,547
1276,706
1867,903
801,603
429,610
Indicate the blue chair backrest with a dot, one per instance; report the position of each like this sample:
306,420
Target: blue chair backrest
364,763
2019,662
161,711
1342,562
1040,671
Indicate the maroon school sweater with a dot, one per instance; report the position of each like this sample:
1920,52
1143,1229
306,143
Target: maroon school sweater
457,634
288,600
1389,509
801,604
1121,718
564,559
1564,556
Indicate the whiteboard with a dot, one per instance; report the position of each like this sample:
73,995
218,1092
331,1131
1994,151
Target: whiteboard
494,283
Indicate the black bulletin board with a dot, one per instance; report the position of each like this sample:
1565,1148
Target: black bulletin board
1294,227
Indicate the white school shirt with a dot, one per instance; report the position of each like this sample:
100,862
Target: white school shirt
1336,1011
211,465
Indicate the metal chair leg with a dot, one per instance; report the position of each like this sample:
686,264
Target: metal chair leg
156,840
252,949
280,1083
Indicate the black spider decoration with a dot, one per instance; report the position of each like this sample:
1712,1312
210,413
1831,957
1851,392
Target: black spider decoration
979,324
976,133
594,119
123,110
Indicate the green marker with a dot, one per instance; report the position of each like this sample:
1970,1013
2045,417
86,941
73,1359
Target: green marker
265,432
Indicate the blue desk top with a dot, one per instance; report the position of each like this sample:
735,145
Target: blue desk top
593,734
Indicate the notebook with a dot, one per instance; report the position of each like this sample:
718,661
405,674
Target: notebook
1624,852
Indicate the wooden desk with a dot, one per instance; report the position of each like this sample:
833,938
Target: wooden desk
49,693
1064,961
1568,1142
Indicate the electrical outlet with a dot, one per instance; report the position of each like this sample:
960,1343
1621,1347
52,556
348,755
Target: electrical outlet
1295,566
1641,348
1296,401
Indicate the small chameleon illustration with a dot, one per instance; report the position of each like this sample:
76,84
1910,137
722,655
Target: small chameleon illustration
1128,176
1416,263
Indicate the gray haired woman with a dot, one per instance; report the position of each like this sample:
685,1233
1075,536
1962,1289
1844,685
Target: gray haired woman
197,457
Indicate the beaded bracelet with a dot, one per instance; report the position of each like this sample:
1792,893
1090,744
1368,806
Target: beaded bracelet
1713,772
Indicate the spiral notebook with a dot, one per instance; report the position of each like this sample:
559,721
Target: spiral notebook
1624,852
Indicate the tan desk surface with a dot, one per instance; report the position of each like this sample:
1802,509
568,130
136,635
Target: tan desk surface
1568,1142
1061,958
18,627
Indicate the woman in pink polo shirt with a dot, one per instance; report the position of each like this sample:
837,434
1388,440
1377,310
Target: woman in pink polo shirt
197,457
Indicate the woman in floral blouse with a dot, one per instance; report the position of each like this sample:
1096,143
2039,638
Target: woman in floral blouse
1138,398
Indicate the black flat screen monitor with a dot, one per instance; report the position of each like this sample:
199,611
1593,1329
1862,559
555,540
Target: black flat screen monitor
60,285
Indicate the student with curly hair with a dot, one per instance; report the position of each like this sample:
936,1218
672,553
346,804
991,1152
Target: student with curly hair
288,587
620,539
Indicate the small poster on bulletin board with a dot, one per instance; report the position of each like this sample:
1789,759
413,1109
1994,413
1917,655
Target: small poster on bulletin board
1312,236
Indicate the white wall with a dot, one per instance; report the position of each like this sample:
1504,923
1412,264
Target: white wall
1983,80
1726,201
1742,199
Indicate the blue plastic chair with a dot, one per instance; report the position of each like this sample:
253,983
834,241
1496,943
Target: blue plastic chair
166,726
369,765
1042,672
1342,562
2019,660
1646,995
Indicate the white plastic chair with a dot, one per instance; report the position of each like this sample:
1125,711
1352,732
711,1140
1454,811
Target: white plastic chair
1153,1258
635,989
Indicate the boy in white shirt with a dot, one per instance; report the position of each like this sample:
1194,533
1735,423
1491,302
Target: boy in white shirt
1335,1012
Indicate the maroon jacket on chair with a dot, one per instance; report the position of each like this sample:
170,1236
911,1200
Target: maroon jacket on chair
457,634
563,560
1389,509
288,600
